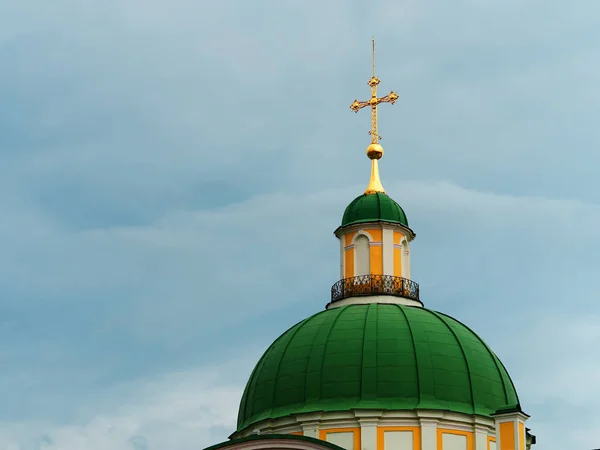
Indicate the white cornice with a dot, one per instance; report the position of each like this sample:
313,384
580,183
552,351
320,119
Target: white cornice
341,231
375,418
381,299
511,416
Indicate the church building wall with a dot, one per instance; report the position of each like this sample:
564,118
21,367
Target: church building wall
388,252
406,430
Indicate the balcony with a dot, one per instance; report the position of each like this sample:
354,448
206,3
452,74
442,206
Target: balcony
375,285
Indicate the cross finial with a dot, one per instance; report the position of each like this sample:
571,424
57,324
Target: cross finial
373,55
374,150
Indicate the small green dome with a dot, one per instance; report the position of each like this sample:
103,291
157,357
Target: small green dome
373,208
376,356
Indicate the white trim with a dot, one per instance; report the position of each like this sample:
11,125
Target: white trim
402,236
481,437
348,247
514,418
405,257
381,299
407,232
429,433
342,259
362,232
367,256
368,433
511,416
388,251
428,421
311,428
375,244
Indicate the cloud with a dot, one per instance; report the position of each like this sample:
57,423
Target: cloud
558,378
189,410
153,269
171,174
505,249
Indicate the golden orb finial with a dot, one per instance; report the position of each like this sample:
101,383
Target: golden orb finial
374,150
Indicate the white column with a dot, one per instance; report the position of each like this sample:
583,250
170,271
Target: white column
368,433
481,435
406,260
388,251
362,255
428,434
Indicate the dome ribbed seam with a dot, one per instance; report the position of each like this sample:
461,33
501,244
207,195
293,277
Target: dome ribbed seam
462,350
341,310
291,338
312,346
362,356
412,338
243,402
401,214
496,361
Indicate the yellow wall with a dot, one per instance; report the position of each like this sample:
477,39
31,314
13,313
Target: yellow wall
489,441
507,436
521,436
376,255
442,431
377,235
349,255
397,262
376,252
348,239
297,433
416,435
355,431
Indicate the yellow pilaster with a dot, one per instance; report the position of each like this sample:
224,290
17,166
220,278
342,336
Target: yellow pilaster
349,255
507,436
510,430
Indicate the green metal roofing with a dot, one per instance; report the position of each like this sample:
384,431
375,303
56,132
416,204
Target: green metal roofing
262,437
376,356
373,208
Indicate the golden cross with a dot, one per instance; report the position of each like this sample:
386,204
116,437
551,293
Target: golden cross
374,101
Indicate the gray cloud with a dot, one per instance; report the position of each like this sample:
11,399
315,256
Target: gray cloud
160,161
184,407
508,270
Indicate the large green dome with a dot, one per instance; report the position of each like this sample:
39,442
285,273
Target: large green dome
376,356
373,208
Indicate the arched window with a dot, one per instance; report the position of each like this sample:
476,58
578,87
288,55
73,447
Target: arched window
361,252
405,259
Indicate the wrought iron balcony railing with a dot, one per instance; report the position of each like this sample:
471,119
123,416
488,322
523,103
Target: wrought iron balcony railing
375,285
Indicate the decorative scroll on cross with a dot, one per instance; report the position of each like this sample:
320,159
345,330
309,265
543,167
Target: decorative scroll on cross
374,101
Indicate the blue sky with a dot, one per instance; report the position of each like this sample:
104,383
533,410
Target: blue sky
171,174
